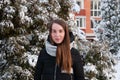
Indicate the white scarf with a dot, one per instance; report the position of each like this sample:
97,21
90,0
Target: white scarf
51,49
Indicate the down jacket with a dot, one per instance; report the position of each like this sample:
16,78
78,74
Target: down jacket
46,68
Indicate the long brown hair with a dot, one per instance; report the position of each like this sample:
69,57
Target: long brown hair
63,54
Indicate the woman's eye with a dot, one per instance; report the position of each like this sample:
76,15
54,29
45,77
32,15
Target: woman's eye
54,31
61,31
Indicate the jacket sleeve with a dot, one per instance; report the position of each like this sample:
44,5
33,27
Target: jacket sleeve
39,67
78,66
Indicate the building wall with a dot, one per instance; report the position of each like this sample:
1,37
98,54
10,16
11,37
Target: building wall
86,12
88,15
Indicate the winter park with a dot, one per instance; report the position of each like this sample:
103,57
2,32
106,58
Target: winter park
94,23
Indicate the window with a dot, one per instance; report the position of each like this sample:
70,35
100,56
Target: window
81,21
95,7
80,3
92,24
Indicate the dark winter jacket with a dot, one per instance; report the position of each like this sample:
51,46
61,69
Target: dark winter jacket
46,68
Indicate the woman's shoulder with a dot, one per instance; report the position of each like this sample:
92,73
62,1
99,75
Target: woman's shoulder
74,51
77,57
42,52
75,54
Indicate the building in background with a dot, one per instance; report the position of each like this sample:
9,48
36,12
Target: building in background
88,16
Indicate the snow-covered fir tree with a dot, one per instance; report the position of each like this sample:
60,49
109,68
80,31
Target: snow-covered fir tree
98,60
23,31
109,27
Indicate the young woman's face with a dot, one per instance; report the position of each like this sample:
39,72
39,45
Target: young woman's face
57,33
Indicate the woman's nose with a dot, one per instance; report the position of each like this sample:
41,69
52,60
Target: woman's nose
57,34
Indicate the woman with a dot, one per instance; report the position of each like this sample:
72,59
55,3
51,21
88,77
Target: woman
58,60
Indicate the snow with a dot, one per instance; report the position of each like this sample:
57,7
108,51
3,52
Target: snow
80,34
117,68
75,6
32,60
90,67
43,1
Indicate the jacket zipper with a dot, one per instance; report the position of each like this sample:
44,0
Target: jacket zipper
55,71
